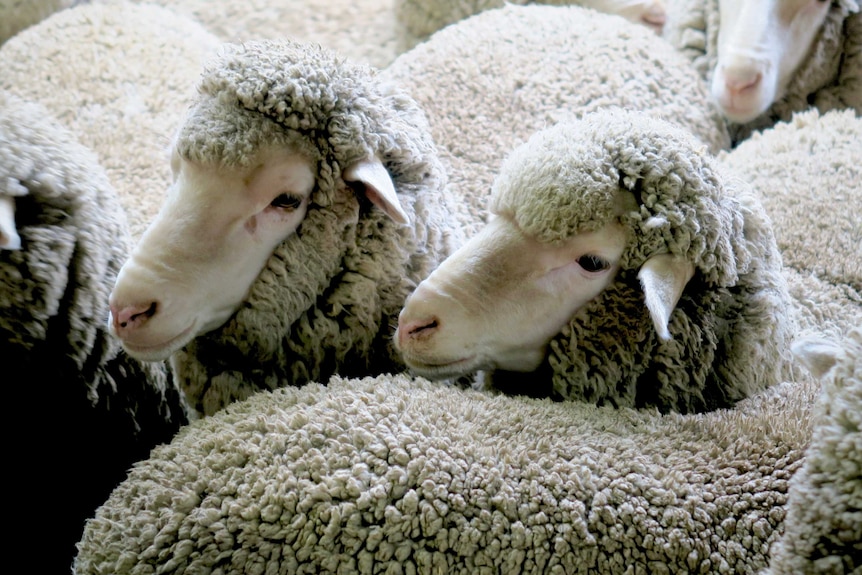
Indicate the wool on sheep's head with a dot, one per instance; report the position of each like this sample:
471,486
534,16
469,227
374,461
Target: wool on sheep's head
325,295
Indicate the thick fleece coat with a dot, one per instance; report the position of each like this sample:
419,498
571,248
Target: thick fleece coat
328,298
119,76
93,411
399,475
488,82
829,78
732,325
824,506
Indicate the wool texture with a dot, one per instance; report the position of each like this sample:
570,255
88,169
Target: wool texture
329,296
487,83
119,76
16,15
95,410
731,329
824,506
400,475
829,78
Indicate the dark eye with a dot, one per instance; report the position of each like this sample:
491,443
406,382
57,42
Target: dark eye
593,263
286,202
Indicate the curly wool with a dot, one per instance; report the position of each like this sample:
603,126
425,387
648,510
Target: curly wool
829,78
731,327
328,297
98,410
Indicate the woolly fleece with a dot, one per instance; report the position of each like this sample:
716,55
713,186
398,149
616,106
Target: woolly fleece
328,298
489,81
824,507
732,326
16,15
118,76
830,78
400,475
93,411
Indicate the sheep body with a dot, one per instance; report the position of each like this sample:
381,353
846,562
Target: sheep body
422,18
327,296
96,410
488,82
719,338
828,76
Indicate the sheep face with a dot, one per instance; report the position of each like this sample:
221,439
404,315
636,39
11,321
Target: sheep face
761,43
197,260
498,300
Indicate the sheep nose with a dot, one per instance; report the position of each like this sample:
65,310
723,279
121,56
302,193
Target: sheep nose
417,329
739,80
131,317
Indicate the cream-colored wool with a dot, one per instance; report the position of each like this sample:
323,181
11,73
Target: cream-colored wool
328,297
824,505
808,173
364,30
830,78
93,411
488,82
399,475
119,76
16,15
419,19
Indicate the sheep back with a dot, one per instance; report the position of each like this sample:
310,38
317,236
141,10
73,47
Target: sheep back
119,76
98,409
329,296
829,78
489,81
731,328
399,474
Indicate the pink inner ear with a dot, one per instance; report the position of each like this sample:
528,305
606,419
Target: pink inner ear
379,188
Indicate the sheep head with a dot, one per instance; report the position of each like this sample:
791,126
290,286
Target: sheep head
761,44
250,174
576,208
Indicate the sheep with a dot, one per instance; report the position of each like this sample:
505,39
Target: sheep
365,29
93,410
419,19
765,60
16,15
824,505
487,82
308,201
620,257
119,76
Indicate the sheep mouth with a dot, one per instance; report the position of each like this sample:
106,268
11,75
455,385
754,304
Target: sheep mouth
160,351
443,369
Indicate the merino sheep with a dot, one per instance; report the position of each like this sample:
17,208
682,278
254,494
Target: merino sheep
766,59
488,82
420,19
308,202
93,411
119,76
653,274
824,505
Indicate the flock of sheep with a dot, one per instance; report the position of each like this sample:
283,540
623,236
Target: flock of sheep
325,217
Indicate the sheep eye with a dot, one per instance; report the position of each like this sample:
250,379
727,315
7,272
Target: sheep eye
593,263
286,202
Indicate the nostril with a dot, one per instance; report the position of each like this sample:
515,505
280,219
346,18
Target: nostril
740,81
133,315
420,328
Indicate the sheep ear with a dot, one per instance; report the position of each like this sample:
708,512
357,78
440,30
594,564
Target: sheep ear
817,354
379,188
663,277
9,238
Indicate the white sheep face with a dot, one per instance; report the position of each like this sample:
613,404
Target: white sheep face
761,44
497,301
196,262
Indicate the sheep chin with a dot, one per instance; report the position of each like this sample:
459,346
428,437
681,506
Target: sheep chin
161,351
